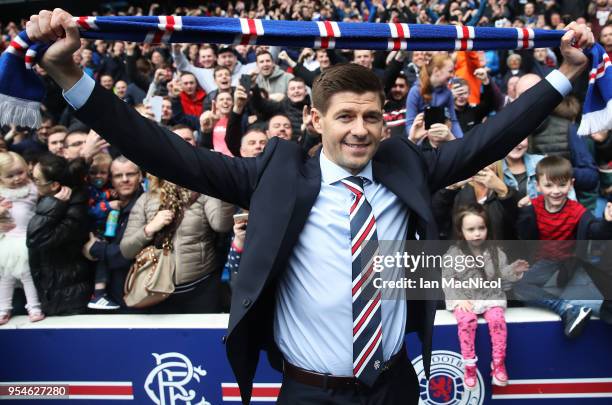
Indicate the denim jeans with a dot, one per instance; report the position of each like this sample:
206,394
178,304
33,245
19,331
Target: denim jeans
531,288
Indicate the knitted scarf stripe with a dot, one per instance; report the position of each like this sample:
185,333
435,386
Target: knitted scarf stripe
313,34
18,89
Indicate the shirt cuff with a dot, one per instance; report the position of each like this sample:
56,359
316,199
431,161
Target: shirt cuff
78,94
559,82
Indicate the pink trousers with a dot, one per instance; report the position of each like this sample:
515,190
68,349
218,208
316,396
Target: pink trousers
467,322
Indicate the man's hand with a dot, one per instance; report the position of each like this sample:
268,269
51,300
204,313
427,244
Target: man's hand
174,88
240,99
57,28
240,232
458,90
488,178
87,247
94,144
577,38
160,74
417,130
438,134
481,74
209,118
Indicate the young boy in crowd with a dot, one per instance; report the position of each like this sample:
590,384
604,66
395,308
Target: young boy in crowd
101,202
553,217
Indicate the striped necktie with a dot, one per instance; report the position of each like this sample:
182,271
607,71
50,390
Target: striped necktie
367,319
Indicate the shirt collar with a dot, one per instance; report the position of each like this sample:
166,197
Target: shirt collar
332,173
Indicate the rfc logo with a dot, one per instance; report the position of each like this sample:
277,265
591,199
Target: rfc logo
168,383
445,386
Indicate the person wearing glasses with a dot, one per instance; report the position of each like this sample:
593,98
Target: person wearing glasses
74,142
111,266
56,233
198,277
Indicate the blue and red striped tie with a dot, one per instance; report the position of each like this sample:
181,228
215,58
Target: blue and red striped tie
367,318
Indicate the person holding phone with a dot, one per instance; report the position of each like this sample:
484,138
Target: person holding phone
432,90
431,128
470,115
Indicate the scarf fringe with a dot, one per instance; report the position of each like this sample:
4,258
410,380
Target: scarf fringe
20,112
596,121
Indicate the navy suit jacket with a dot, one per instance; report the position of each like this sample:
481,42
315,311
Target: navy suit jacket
280,186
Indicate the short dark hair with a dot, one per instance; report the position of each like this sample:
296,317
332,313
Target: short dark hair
280,114
56,129
342,78
556,169
297,79
67,173
187,73
76,130
263,53
219,68
219,92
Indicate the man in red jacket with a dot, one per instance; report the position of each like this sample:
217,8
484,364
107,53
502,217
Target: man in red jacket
192,95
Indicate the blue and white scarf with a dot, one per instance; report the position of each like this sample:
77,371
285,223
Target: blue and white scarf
21,91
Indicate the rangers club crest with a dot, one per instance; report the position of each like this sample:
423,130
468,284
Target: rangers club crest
445,385
169,382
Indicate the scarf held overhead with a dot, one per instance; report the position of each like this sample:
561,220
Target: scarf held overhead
21,91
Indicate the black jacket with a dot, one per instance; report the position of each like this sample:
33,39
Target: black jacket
56,234
280,187
472,115
501,211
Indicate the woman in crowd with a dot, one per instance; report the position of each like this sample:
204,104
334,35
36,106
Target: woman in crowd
432,90
56,234
196,219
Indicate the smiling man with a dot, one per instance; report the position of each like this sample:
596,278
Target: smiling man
315,223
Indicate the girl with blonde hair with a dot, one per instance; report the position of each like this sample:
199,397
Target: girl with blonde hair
17,203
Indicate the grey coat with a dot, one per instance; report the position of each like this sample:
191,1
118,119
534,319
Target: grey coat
483,298
194,240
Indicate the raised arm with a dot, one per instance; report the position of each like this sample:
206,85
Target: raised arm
153,148
491,141
205,77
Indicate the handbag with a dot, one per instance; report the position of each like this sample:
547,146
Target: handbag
150,279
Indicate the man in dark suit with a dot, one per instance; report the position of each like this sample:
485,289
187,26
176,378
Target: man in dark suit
304,292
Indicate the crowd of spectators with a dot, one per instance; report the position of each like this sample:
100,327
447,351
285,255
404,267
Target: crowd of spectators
232,99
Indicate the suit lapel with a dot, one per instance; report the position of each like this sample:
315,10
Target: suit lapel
403,187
